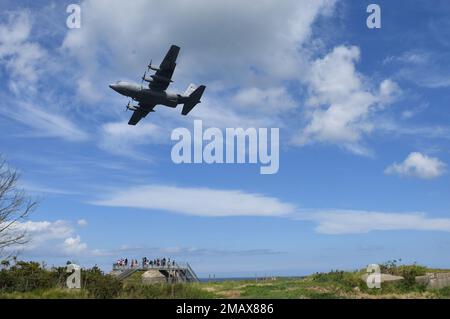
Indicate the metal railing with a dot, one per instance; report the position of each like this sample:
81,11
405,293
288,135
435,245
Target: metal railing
153,266
193,274
184,269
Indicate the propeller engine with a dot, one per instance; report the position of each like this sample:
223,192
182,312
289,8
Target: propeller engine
143,77
151,67
130,107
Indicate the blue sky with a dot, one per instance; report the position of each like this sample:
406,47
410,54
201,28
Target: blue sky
363,118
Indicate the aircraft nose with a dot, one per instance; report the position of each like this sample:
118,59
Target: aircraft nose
115,87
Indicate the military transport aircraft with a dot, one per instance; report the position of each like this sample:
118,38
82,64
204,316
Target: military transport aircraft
155,93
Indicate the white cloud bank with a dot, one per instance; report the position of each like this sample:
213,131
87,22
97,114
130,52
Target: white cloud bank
339,222
205,202
208,202
418,165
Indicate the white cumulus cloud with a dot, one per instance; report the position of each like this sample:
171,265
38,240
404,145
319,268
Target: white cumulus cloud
82,222
40,232
418,165
49,238
341,102
74,246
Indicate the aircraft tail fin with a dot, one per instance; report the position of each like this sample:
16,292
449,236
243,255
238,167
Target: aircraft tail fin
194,99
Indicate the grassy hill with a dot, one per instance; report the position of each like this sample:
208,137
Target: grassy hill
29,280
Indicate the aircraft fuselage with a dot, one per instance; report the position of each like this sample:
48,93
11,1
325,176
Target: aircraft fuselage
143,94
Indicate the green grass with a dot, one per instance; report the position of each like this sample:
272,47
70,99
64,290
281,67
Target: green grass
443,293
164,291
54,293
280,288
332,285
132,291
135,278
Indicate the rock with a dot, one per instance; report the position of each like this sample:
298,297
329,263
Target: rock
153,276
389,278
434,280
385,278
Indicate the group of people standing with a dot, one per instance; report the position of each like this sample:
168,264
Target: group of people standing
159,262
146,263
123,262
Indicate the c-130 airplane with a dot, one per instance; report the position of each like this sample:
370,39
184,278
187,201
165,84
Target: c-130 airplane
156,93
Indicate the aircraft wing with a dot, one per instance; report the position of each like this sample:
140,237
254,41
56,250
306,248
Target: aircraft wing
163,76
141,112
